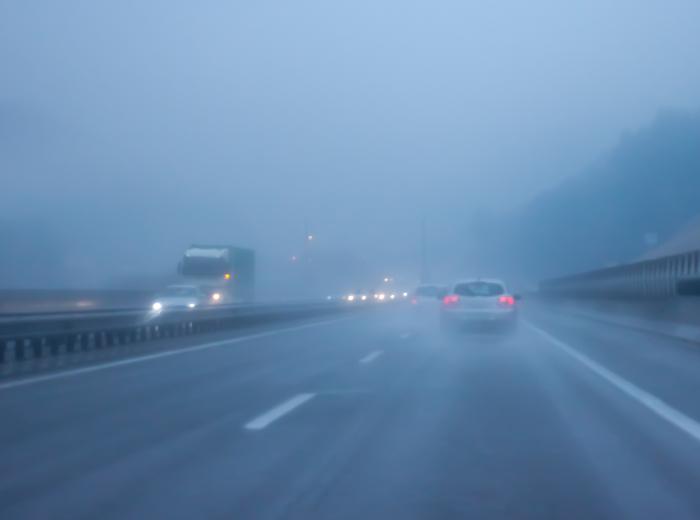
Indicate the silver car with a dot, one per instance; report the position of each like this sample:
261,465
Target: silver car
479,301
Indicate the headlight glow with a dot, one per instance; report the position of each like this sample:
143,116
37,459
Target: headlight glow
216,296
191,305
157,306
351,297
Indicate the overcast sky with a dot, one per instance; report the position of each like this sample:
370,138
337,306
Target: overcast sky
170,122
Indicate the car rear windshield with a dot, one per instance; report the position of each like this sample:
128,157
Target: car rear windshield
429,291
479,289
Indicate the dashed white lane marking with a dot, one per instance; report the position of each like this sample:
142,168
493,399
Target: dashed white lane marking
149,357
651,402
263,421
371,357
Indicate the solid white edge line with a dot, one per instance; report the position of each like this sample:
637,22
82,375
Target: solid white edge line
371,356
652,403
139,359
263,421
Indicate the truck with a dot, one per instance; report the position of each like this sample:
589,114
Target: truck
226,273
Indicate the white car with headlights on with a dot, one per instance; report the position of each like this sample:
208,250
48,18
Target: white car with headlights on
179,297
479,301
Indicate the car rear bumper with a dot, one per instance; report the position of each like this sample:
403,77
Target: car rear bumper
480,315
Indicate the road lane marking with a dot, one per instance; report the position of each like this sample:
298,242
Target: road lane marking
149,357
406,335
651,402
263,421
371,357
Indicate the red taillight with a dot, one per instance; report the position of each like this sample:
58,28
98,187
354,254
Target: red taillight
450,299
506,300
414,301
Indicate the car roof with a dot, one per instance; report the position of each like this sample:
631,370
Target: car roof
487,280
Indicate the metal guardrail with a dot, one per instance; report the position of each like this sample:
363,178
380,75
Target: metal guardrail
30,336
659,278
16,301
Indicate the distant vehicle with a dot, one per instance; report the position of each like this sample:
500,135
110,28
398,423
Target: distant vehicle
428,294
479,301
226,271
180,297
424,305
357,296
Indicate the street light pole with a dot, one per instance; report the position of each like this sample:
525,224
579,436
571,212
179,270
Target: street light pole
424,274
307,272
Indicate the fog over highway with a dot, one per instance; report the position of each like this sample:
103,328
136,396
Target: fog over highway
379,259
131,130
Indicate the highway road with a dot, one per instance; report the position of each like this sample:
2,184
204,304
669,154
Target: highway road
375,415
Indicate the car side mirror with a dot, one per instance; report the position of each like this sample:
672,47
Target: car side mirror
517,297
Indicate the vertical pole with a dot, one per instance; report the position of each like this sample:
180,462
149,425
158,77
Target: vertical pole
306,261
424,274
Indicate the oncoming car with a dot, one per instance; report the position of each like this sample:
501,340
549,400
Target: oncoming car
179,297
479,301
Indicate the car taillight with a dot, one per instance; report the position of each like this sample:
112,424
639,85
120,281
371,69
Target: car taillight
506,300
414,301
450,299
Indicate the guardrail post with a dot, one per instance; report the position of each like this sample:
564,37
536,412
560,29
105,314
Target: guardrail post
20,354
36,344
72,342
54,344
